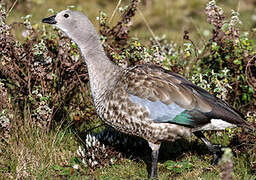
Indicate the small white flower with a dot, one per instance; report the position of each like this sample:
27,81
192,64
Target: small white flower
51,10
111,161
89,144
82,153
84,162
206,33
94,163
254,17
76,166
78,152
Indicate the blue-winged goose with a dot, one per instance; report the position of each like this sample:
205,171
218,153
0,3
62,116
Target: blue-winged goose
146,100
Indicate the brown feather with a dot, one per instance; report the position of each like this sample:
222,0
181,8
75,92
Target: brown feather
157,84
162,87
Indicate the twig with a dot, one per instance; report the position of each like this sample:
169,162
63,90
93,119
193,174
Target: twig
81,83
197,30
89,130
11,8
58,130
114,12
238,6
248,74
52,112
149,28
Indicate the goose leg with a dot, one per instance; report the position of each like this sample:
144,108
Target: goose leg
154,158
213,148
153,173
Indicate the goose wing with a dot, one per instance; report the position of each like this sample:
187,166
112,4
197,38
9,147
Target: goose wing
170,98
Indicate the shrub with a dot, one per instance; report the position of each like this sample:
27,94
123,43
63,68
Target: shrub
44,75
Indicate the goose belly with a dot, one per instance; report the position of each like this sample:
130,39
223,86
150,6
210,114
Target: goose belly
135,121
215,124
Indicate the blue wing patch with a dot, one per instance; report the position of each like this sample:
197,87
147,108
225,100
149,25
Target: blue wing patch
159,112
162,113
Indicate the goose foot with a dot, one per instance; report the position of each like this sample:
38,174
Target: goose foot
215,149
217,153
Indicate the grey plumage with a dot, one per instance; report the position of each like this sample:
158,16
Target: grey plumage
158,111
146,101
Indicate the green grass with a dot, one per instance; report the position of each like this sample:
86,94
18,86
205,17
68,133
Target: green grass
163,16
31,152
35,154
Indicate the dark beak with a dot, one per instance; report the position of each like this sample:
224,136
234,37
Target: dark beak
50,20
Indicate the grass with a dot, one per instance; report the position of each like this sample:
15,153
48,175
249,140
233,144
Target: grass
35,154
163,16
31,152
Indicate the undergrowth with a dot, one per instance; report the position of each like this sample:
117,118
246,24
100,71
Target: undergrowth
46,111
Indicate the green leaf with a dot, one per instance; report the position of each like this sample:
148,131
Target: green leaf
178,167
244,97
237,61
66,171
57,167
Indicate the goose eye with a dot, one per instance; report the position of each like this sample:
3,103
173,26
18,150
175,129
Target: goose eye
66,15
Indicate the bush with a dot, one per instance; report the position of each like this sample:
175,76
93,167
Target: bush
44,75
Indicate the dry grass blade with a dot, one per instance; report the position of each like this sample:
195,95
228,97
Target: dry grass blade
13,5
149,28
250,77
114,12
